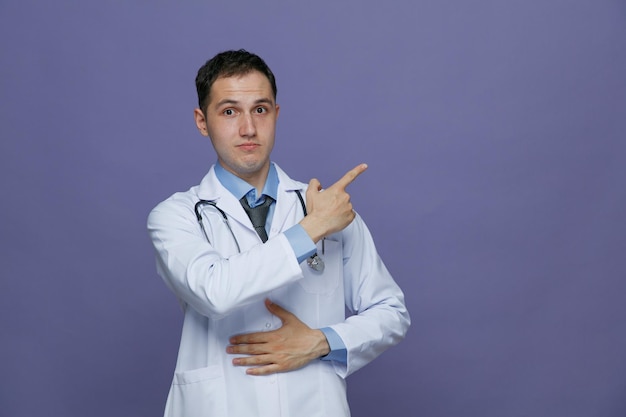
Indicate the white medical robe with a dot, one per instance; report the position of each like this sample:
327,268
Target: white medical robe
222,293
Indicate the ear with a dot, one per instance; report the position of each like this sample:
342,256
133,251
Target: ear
198,115
277,110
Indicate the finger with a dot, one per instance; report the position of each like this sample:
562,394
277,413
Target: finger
249,349
350,176
278,311
262,364
256,360
250,338
264,370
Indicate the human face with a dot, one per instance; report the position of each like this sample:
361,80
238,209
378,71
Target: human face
241,119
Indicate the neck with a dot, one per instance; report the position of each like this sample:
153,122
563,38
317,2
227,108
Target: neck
257,179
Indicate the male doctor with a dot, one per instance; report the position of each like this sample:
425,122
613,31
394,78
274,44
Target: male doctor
265,268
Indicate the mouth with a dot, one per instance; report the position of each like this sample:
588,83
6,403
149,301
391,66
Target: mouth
248,146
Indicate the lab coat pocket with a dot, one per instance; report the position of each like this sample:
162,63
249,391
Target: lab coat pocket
197,392
324,282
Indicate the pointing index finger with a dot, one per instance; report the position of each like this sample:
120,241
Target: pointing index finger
350,176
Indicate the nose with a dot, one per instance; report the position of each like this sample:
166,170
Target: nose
247,127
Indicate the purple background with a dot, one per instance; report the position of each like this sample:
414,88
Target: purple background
495,134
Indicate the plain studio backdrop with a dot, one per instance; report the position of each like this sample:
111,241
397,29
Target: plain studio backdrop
495,132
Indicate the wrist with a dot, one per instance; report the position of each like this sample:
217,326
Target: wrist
313,228
322,347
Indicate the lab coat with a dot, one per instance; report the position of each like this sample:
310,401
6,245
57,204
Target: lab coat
222,293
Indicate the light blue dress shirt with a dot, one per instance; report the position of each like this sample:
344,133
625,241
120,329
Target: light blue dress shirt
299,240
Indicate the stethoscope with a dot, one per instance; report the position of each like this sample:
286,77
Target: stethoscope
315,262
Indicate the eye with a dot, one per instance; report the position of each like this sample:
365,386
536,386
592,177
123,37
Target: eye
228,112
260,110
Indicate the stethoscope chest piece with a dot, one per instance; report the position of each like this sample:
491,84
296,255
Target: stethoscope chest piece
316,263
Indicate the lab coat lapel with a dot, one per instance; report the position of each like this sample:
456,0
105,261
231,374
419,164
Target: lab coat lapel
212,189
284,211
288,210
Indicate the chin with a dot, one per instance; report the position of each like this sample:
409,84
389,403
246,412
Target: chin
251,168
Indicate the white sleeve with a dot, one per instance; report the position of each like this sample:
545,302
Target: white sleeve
201,277
380,318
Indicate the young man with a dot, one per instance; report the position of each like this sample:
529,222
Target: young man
264,278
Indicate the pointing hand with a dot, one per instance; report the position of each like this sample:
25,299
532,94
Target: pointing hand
330,209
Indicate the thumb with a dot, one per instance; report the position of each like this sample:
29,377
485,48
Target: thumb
314,187
314,184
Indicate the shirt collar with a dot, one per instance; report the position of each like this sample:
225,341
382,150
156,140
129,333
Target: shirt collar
239,187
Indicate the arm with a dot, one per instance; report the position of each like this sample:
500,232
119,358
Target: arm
201,276
380,321
380,318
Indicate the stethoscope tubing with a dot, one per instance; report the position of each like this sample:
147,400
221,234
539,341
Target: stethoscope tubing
196,209
315,262
212,203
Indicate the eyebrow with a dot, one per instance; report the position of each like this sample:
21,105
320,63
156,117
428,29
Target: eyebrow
231,101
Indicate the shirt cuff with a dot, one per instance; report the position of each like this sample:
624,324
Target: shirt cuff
300,242
338,351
